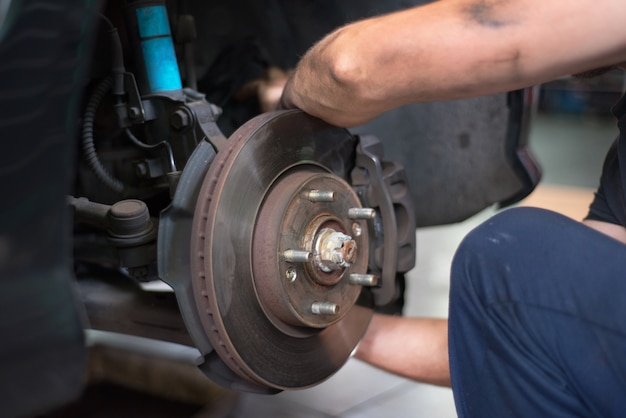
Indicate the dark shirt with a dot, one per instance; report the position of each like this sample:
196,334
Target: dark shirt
609,204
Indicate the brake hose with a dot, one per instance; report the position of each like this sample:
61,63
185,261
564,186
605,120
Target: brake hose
88,142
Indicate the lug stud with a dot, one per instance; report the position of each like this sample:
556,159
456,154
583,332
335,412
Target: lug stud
363,279
324,308
320,195
361,213
297,256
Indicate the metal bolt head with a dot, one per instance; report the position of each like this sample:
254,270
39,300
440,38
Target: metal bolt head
134,112
356,229
142,170
216,110
291,274
180,119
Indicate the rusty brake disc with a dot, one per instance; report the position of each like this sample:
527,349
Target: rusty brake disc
279,252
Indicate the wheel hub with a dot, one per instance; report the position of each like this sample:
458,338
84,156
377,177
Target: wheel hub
302,254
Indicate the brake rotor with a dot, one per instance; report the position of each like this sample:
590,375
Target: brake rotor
279,252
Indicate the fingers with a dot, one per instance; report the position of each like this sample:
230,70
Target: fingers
268,89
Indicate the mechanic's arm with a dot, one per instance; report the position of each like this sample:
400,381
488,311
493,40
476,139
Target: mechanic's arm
453,49
416,348
614,231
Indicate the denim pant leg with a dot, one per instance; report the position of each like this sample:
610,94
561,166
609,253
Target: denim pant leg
538,319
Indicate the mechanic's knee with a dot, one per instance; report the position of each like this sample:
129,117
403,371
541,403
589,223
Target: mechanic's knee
511,229
486,255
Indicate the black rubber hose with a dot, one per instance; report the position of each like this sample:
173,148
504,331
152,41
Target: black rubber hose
117,57
89,148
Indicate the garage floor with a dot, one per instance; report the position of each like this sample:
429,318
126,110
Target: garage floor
570,148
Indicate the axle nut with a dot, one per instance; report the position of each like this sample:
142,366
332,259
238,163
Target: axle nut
334,250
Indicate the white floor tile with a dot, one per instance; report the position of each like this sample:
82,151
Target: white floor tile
272,406
354,384
409,401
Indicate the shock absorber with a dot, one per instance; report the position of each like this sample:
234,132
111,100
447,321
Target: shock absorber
153,49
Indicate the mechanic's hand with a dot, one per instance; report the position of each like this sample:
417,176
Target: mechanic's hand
268,88
283,102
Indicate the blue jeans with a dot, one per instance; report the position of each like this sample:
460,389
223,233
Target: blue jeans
538,319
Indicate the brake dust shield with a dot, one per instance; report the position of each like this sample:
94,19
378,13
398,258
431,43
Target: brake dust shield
279,252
